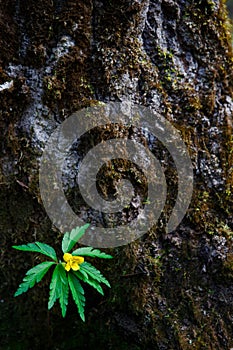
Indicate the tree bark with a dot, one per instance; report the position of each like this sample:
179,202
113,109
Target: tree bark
169,291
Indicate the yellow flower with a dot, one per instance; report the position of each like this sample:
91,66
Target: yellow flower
72,262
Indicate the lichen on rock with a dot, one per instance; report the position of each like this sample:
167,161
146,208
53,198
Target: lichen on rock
169,291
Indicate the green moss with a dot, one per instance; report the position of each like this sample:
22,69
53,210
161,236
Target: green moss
166,294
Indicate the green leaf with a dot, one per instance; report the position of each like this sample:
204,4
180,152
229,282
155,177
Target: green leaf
77,293
95,285
33,276
38,247
71,238
83,277
89,251
64,296
93,273
58,286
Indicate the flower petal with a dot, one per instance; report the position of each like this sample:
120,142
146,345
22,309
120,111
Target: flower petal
78,259
67,267
75,266
67,257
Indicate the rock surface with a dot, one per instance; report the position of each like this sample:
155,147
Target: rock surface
168,291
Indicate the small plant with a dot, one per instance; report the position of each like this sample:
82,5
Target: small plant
67,274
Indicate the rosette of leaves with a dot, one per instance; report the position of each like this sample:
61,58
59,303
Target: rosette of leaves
67,275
